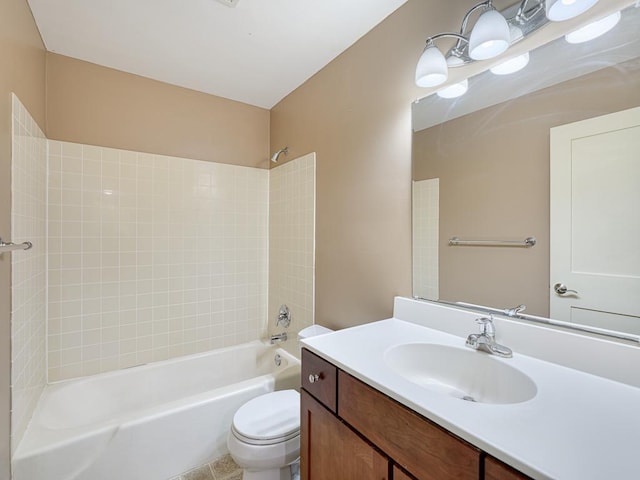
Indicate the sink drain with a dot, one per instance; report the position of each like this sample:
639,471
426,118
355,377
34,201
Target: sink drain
468,398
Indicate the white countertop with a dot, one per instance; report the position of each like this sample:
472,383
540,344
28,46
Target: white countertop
578,426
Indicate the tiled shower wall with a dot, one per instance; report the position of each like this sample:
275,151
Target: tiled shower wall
28,268
291,244
151,257
426,217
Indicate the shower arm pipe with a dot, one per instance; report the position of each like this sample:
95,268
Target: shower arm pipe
274,157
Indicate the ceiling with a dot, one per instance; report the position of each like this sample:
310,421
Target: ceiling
256,52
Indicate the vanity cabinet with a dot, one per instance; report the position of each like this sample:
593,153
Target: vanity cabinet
400,475
494,469
416,444
350,430
334,451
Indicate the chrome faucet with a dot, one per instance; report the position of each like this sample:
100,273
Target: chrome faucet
486,339
512,312
284,317
278,338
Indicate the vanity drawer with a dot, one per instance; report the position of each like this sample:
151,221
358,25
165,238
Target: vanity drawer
319,379
416,444
400,475
494,469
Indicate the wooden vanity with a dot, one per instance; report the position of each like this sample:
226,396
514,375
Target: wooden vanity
351,431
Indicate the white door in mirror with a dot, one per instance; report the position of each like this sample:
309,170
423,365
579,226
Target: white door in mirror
595,222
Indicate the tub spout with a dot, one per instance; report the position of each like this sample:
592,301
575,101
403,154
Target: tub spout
278,337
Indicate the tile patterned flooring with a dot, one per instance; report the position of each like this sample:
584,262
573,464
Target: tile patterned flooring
223,468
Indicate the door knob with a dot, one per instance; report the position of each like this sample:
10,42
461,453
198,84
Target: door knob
561,289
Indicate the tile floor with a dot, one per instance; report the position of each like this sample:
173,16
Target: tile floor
223,468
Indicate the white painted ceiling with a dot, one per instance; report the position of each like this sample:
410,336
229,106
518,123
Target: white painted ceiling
256,52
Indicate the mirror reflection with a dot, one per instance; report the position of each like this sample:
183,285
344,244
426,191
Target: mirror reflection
542,153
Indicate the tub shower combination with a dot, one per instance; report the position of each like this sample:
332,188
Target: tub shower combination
149,422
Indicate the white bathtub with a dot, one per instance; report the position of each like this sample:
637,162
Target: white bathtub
150,422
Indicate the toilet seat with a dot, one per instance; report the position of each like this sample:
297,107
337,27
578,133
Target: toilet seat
268,419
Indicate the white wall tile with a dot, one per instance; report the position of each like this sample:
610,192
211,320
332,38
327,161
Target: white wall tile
28,268
426,217
150,257
144,249
292,244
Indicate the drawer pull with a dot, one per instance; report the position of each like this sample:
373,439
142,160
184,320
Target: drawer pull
314,377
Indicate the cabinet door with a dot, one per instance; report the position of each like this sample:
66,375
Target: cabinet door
329,450
400,475
494,469
422,448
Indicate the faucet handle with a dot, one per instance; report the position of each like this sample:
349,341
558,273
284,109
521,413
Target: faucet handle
284,317
486,326
512,312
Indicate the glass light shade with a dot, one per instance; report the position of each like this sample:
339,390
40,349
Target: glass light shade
512,65
454,61
515,34
455,90
431,70
490,36
594,29
559,10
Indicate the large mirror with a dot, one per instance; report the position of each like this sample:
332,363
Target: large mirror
485,168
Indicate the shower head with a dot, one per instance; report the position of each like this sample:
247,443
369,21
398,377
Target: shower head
274,157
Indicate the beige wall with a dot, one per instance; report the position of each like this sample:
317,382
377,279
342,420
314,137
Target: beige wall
355,114
95,105
493,167
22,70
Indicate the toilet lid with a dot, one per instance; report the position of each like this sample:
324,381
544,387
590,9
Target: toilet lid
270,417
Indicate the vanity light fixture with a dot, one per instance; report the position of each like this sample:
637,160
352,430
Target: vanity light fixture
512,65
493,33
489,38
455,90
490,35
432,69
593,29
560,10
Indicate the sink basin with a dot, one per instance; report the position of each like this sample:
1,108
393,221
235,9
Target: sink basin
460,373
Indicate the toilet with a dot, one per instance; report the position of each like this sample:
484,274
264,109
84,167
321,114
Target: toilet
264,438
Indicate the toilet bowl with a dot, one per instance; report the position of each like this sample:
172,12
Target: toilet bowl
265,436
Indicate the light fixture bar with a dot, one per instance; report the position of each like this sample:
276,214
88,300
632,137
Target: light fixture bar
524,15
492,34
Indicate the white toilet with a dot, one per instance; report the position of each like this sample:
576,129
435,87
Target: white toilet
265,434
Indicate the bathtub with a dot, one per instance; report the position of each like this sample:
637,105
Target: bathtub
150,422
